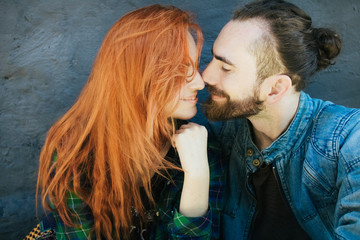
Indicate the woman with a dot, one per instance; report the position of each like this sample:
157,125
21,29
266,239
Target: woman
107,166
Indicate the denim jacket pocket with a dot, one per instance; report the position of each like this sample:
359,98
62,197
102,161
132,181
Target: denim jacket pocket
319,189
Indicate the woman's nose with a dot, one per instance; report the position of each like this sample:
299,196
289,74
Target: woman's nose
197,83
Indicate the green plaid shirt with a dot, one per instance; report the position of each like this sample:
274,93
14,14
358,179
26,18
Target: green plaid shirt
169,223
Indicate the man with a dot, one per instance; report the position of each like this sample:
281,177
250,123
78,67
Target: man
294,161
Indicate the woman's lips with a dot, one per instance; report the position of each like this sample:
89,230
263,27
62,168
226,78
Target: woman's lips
192,99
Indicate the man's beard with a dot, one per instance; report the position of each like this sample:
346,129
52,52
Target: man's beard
230,109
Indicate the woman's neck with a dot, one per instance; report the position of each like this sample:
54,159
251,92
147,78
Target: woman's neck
165,148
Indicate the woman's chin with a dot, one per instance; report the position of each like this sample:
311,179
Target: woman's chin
185,115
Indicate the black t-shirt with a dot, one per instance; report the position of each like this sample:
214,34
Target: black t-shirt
274,219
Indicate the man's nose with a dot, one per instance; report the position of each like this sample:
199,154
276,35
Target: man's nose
208,75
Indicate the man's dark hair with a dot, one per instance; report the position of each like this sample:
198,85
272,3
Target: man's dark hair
290,45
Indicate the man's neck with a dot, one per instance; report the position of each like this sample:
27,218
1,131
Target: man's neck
273,121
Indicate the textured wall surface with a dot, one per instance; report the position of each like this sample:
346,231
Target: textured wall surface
46,53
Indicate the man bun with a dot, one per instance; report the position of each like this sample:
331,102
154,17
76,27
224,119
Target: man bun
329,45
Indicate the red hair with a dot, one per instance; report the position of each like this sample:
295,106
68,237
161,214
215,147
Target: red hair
111,137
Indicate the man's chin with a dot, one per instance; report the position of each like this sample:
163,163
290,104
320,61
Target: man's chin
215,111
222,111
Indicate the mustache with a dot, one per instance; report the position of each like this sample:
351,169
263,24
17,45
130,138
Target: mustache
217,92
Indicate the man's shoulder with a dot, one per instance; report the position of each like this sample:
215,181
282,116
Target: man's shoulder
332,126
327,110
336,116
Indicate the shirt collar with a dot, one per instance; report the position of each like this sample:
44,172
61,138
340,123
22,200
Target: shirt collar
287,141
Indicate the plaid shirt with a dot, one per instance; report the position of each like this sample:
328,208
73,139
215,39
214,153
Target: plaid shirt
169,223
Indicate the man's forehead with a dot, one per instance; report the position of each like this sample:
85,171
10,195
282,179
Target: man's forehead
235,37
244,32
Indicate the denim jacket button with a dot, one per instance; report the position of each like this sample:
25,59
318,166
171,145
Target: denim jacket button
249,152
256,162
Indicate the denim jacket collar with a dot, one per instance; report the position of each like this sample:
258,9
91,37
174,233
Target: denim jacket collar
287,141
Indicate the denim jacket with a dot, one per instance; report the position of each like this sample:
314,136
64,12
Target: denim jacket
316,162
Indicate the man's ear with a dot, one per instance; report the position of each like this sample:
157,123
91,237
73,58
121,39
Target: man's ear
276,87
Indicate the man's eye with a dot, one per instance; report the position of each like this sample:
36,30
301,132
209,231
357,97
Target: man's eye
225,69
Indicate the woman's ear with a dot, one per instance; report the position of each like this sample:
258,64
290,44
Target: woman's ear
276,87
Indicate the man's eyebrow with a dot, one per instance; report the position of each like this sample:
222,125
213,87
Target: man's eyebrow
222,59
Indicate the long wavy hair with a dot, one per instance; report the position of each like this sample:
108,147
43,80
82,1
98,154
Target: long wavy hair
108,143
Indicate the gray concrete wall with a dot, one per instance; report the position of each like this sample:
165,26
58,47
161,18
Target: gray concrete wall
46,52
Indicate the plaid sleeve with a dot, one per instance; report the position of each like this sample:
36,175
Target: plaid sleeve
172,225
191,228
81,217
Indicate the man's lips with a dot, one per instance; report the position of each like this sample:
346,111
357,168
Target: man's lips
217,97
216,94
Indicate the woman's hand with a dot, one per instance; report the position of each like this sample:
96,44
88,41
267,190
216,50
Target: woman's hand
191,144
